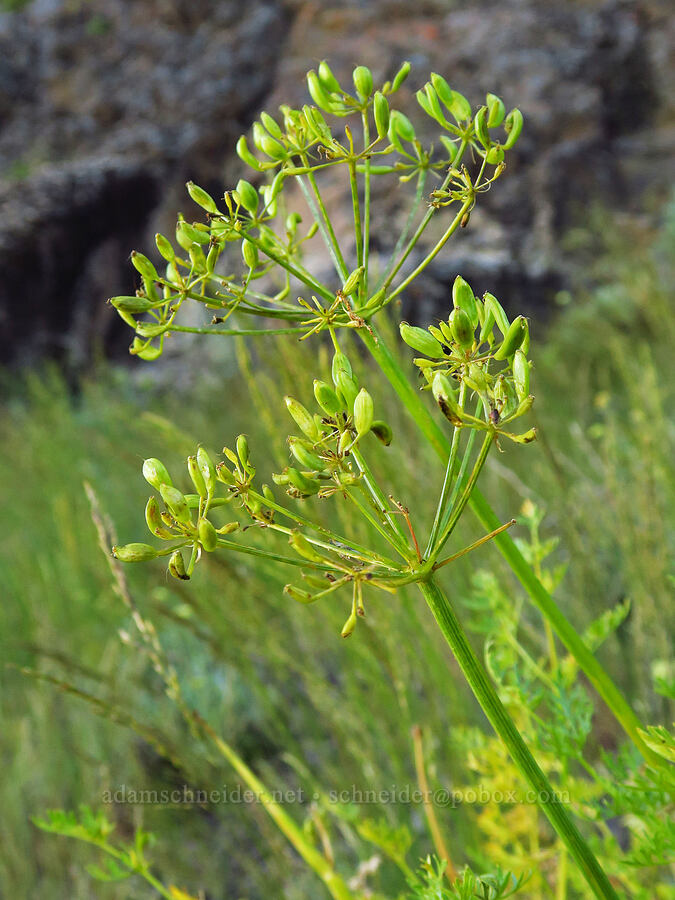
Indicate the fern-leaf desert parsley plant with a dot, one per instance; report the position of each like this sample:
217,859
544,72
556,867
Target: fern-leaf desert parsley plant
244,265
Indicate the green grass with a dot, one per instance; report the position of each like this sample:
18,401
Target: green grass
305,708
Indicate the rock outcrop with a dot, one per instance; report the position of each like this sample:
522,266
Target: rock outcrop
106,108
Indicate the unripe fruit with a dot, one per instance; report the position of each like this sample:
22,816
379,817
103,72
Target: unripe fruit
134,553
461,327
420,339
155,473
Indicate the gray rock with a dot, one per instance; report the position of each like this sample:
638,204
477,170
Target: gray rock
107,108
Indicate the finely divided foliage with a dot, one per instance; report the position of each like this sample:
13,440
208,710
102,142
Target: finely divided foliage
245,263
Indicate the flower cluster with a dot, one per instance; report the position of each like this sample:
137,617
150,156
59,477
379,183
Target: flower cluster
476,349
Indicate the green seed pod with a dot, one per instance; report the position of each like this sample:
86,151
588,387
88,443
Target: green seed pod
513,339
476,379
496,110
183,239
421,340
303,419
433,106
212,258
480,126
248,196
521,374
445,397
207,535
318,93
495,155
512,126
381,114
196,476
271,125
177,566
446,332
304,454
280,478
143,265
382,432
363,412
353,281
328,81
134,553
224,475
450,147
505,393
438,334
463,298
245,154
197,258
462,330
155,473
270,146
400,126
347,388
340,363
131,304
525,438
154,522
303,483
242,450
176,503
500,317
164,247
249,254
207,469
456,103
344,443
201,198
363,81
487,326
349,625
230,528
327,398
298,594
193,235
316,581
400,77
267,492
303,547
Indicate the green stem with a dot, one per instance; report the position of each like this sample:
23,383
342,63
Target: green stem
454,225
447,481
423,224
419,193
358,235
363,292
301,274
487,696
456,513
315,860
302,520
521,569
381,501
323,221
186,329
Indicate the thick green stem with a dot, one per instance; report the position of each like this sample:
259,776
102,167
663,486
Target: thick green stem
521,569
487,696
